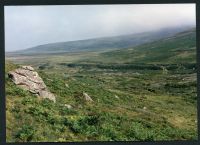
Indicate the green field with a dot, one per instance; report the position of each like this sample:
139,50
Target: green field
142,93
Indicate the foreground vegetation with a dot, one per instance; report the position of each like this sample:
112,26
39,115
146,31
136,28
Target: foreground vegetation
146,100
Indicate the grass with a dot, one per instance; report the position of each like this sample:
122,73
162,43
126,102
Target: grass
105,119
178,49
156,100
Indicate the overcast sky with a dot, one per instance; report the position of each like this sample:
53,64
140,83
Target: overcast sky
28,26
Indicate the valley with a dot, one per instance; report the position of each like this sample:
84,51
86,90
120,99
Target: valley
145,92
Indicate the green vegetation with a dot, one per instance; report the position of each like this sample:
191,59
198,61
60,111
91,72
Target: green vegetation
177,49
145,93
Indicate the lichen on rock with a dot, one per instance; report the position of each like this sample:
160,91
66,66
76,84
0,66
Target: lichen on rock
28,79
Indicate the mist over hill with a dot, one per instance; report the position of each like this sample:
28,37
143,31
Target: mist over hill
179,48
104,43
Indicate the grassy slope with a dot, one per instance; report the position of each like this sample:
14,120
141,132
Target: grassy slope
177,49
169,97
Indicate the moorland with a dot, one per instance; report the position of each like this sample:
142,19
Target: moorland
141,91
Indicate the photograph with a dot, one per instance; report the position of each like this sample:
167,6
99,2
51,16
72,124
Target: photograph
100,72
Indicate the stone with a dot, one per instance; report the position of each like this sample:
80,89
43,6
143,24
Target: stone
116,97
28,68
66,85
87,97
47,94
144,108
28,79
68,106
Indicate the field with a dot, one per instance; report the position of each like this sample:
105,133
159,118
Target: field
142,93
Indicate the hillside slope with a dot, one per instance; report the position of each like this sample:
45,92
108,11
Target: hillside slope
142,93
127,106
102,44
179,48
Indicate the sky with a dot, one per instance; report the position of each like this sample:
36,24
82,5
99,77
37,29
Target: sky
29,26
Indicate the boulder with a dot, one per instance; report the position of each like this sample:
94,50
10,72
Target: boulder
28,79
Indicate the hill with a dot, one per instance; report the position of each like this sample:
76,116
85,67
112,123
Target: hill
142,93
179,48
102,44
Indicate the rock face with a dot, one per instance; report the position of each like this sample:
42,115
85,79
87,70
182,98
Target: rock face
28,79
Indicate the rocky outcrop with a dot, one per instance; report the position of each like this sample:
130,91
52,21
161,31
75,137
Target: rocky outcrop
28,79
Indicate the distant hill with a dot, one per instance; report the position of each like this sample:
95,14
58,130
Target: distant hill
179,48
102,44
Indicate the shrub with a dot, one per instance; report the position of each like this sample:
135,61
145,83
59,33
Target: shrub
26,133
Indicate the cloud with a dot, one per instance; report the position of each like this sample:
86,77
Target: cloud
28,26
